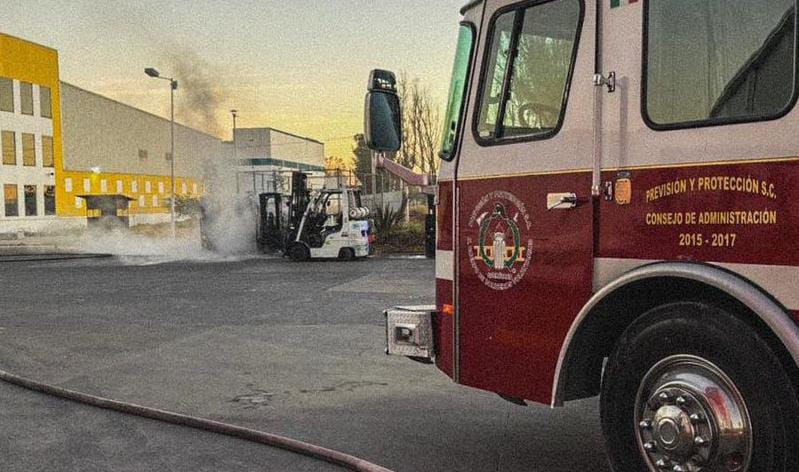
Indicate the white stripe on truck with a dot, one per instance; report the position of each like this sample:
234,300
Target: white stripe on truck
445,265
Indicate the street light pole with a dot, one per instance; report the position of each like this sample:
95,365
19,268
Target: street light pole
235,114
173,85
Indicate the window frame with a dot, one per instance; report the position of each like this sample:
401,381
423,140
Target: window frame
35,195
49,114
712,122
25,85
518,20
32,136
15,213
13,135
49,211
13,105
48,149
459,132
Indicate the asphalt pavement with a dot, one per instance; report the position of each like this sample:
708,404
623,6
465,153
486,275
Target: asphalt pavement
294,349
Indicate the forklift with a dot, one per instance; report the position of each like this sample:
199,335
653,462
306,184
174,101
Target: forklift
319,224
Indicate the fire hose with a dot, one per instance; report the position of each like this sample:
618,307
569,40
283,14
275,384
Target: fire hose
268,439
260,437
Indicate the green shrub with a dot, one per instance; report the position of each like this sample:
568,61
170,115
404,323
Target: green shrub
408,237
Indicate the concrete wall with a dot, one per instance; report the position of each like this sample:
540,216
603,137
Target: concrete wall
292,148
268,143
100,132
102,143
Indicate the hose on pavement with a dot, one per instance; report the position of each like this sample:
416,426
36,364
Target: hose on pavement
268,439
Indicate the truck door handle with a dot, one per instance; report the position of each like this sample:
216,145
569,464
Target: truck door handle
561,201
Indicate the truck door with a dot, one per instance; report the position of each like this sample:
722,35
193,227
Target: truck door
525,214
702,129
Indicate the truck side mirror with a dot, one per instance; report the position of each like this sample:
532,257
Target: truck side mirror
382,113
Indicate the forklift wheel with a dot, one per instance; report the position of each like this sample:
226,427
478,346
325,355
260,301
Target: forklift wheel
299,253
347,254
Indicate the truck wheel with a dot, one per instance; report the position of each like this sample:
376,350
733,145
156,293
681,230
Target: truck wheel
347,254
299,253
692,388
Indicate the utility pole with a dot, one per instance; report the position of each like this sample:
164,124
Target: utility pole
235,150
173,85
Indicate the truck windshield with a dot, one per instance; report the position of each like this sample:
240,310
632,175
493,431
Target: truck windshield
457,91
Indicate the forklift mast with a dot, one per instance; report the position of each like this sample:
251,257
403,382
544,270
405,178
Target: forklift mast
300,197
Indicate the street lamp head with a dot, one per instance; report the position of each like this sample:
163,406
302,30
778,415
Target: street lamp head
174,84
152,72
234,112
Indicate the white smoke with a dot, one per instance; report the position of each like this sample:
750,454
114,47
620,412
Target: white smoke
225,230
230,217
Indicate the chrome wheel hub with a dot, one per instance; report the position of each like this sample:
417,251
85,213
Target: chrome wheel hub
690,417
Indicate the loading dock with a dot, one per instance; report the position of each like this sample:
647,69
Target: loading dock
107,210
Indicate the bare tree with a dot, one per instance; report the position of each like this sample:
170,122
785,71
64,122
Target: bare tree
421,127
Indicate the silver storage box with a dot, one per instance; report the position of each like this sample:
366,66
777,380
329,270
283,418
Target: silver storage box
409,331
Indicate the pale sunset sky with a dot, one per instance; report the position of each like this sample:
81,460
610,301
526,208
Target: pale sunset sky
296,65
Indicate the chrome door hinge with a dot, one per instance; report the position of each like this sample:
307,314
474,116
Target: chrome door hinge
609,81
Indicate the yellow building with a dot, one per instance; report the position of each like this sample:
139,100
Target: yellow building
65,148
30,135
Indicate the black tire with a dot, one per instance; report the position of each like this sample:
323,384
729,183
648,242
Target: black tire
299,253
695,330
347,254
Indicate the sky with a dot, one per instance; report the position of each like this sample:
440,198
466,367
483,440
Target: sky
301,66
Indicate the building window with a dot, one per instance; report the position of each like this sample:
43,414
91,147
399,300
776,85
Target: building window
526,84
147,187
45,102
160,187
134,186
194,189
120,188
142,154
12,199
30,200
141,201
9,148
104,186
6,95
155,200
68,184
26,98
28,150
185,188
49,200
78,202
717,61
47,151
87,185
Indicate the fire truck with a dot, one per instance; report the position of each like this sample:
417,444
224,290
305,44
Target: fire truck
616,218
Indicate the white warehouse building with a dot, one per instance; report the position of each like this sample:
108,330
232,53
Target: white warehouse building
264,154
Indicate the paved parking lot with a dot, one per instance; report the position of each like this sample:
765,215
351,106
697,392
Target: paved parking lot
294,349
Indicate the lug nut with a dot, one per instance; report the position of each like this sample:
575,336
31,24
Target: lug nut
700,441
650,446
664,397
661,464
646,424
682,401
696,418
678,468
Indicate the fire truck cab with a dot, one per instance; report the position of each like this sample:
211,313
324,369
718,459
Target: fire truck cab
616,217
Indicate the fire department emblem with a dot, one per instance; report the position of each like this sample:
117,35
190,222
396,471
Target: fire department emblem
500,256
